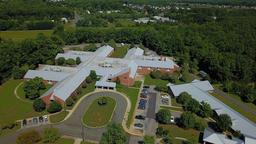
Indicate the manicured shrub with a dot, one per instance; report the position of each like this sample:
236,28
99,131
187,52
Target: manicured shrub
224,122
54,107
187,120
70,102
60,61
163,116
39,105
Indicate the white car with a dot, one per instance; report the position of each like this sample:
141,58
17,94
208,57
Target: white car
172,119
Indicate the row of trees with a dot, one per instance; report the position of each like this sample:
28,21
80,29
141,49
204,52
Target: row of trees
70,61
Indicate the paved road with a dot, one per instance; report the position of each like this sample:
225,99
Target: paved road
235,101
73,125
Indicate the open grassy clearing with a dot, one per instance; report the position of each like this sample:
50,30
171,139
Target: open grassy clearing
99,115
58,117
23,34
120,52
21,93
157,82
132,94
11,108
175,131
235,107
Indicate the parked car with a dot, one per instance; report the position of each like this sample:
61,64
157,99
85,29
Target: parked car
145,87
140,117
172,120
138,125
142,104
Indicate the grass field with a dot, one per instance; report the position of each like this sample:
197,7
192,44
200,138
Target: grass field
137,84
157,82
99,115
132,94
235,107
58,117
21,93
120,52
11,108
23,34
175,131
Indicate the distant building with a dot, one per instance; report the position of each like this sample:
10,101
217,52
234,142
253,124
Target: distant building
67,80
199,90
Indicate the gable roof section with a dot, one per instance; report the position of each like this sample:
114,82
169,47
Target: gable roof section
46,75
70,84
103,51
155,63
134,52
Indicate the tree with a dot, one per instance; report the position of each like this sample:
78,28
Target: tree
161,88
205,110
187,120
163,116
18,73
155,74
184,98
224,122
70,102
39,105
70,61
114,134
161,132
33,87
54,107
193,106
89,79
29,137
93,75
167,140
78,60
61,61
149,139
51,135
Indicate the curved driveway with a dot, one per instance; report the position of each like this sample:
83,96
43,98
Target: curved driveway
73,125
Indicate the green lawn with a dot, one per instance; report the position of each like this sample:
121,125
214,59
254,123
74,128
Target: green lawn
11,108
23,34
132,94
235,107
9,131
174,102
175,131
157,82
99,115
21,93
65,141
120,52
172,108
137,84
58,117
86,142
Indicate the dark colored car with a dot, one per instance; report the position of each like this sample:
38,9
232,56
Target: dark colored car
141,117
146,87
138,125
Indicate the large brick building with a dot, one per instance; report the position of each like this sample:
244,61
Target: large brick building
66,80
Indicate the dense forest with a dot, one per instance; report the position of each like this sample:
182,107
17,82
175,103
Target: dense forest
32,14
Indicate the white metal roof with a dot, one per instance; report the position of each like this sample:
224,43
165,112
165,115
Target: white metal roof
46,75
70,84
219,138
134,52
155,64
105,84
104,51
241,123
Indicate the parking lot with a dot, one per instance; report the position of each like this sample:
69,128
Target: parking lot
145,112
35,121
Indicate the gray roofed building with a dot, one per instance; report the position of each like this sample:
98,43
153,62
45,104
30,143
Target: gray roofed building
46,75
155,64
199,91
105,85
